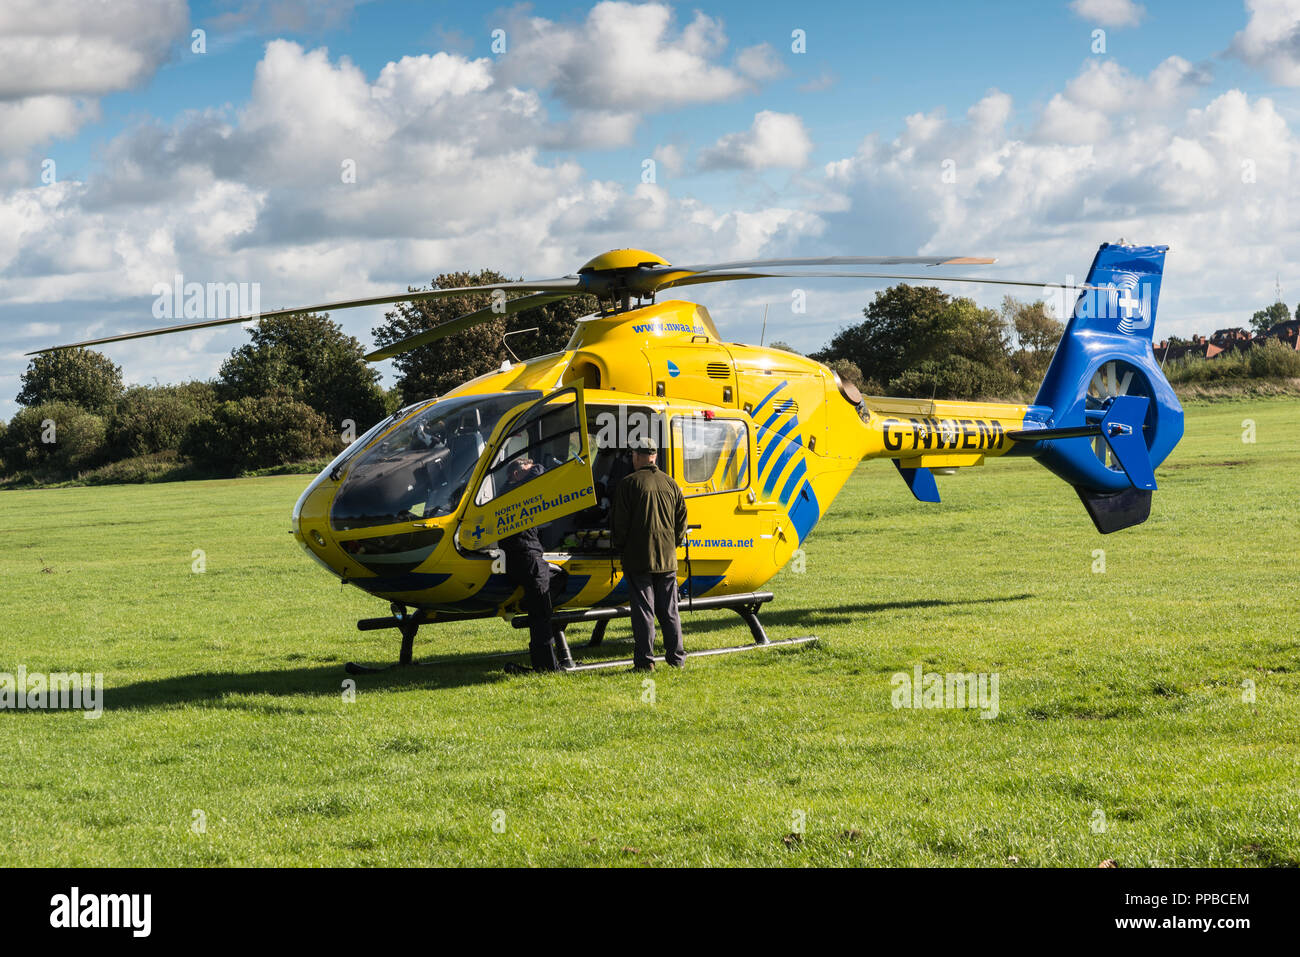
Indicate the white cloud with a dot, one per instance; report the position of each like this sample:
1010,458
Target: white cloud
450,173
57,59
1110,13
1271,40
84,48
670,158
1100,164
772,140
759,63
627,57
36,120
1103,88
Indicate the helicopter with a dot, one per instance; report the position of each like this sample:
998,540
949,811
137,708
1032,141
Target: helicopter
760,440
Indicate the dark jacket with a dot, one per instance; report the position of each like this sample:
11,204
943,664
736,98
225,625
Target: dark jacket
527,542
649,520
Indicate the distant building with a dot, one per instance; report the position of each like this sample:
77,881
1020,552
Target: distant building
1224,341
1288,332
1197,347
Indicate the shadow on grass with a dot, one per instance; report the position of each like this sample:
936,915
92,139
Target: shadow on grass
242,690
811,617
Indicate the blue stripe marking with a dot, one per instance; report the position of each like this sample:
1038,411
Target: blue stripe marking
798,472
805,511
729,468
618,596
766,426
779,464
772,441
572,587
783,384
699,585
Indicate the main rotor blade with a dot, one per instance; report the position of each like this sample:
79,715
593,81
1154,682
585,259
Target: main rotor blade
467,321
728,275
569,285
843,261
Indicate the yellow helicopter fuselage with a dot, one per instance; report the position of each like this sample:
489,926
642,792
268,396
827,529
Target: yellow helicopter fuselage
760,440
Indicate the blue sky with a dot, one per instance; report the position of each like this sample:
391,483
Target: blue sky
223,165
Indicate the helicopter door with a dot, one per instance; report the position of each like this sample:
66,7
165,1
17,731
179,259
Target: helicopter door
549,439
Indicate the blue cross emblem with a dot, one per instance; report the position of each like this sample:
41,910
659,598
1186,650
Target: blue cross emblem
478,533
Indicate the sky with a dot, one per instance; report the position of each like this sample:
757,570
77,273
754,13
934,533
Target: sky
333,149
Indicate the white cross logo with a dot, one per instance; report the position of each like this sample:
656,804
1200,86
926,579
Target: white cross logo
1126,301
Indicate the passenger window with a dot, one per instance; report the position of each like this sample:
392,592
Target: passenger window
545,438
715,453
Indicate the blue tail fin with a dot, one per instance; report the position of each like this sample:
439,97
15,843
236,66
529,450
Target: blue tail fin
1104,357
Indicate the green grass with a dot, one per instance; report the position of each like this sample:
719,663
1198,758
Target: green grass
1119,691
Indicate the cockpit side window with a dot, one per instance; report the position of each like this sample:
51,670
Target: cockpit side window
546,437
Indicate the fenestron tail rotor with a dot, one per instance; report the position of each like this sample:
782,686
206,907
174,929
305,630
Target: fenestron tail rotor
616,278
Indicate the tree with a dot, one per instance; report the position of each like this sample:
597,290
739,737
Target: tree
310,359
258,432
904,326
152,419
955,377
922,342
87,379
55,438
1032,327
1036,336
784,347
1266,319
846,370
434,369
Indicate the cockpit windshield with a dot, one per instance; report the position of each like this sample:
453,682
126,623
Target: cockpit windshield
421,468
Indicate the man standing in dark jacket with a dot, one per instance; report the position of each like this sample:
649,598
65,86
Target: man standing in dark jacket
649,522
526,567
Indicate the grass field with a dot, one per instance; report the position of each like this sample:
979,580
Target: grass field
1122,732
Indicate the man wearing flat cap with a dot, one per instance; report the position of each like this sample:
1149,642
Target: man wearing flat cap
649,521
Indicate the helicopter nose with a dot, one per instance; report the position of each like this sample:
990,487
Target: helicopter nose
311,526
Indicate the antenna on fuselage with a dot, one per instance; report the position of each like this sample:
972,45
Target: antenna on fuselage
514,332
763,335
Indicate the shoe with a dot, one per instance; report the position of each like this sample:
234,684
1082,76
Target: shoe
648,666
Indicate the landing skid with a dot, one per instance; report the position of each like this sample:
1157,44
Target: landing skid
408,623
627,662
746,605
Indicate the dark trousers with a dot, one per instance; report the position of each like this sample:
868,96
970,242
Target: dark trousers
655,596
530,571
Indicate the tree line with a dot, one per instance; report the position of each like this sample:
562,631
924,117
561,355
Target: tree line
295,395
300,390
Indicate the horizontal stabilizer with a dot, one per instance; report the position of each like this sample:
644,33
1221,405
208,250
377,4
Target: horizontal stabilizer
1122,427
920,481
